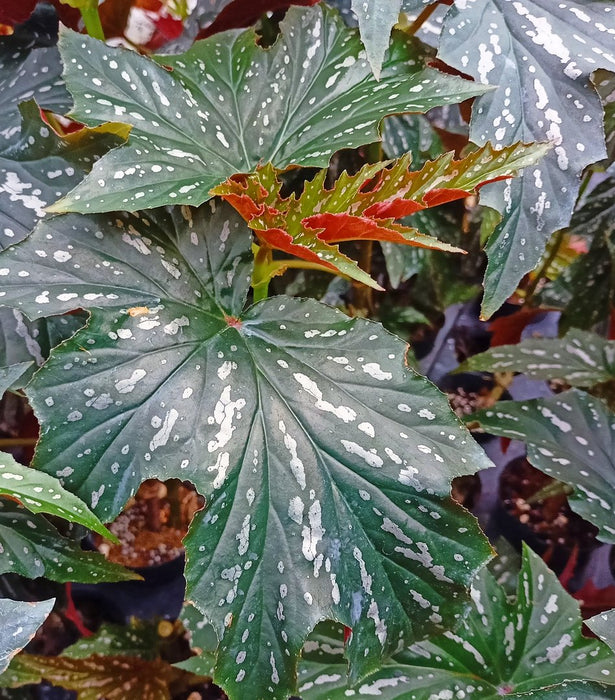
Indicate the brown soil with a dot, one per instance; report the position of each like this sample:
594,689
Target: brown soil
153,524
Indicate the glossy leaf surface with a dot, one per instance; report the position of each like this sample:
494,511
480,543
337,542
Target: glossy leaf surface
505,647
571,437
42,493
111,677
603,626
37,167
325,462
20,620
541,55
32,547
364,206
30,68
207,118
26,342
581,358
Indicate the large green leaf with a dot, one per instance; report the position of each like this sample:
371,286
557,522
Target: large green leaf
593,271
531,645
37,167
208,118
570,436
27,343
583,359
19,621
32,547
137,638
325,462
541,55
43,493
30,67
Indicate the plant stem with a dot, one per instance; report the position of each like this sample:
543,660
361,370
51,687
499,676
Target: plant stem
17,442
91,19
424,15
531,290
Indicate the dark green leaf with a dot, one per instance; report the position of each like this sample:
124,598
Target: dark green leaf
19,622
42,493
32,547
582,359
504,647
571,437
594,271
37,167
27,343
137,638
541,55
325,462
30,68
207,118
376,20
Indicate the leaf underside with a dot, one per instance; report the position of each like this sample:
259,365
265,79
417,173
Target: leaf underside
206,119
171,378
541,55
571,437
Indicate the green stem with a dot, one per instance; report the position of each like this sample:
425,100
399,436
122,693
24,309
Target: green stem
91,19
557,244
17,442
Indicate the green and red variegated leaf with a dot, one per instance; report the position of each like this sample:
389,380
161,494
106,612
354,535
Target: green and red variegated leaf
324,460
201,117
364,206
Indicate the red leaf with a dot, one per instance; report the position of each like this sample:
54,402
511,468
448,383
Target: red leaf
595,600
243,13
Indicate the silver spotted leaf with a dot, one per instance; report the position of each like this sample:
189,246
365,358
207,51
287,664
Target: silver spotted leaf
583,359
528,646
37,167
325,462
541,55
27,343
202,116
594,271
136,638
30,546
11,374
43,493
376,19
603,626
203,642
571,437
19,621
30,68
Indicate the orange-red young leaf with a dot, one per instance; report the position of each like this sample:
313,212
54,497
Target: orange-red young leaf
365,206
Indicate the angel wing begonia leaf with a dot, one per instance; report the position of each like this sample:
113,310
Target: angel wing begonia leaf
530,646
324,460
583,359
541,56
202,116
364,206
571,437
